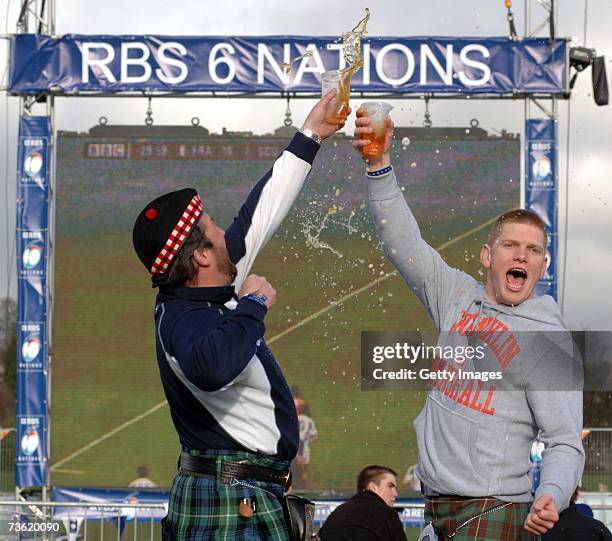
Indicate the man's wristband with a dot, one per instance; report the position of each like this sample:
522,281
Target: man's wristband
380,172
311,135
258,299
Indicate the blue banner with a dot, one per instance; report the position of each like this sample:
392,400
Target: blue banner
107,508
109,64
411,517
106,497
32,250
541,190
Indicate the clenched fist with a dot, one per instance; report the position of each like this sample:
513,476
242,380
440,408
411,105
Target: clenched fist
542,516
258,285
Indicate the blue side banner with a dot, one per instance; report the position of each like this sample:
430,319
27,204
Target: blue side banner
107,64
541,190
32,249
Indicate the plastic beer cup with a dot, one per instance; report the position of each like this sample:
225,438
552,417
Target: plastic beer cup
338,109
378,112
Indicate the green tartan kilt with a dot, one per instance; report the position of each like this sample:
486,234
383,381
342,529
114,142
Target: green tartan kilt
504,524
206,509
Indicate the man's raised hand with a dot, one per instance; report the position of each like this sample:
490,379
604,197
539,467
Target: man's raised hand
362,130
315,120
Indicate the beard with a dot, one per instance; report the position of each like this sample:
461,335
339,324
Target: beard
225,265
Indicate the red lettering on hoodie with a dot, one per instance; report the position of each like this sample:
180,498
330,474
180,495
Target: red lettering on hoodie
493,332
474,404
486,408
464,398
509,351
462,391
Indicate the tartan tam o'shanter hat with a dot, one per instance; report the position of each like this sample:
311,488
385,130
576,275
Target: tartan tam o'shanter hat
162,228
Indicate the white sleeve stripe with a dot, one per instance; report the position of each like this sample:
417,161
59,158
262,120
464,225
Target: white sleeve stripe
275,201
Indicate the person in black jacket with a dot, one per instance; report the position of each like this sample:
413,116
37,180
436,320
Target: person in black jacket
229,401
369,515
576,526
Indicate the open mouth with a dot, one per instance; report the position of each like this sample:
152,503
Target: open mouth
515,278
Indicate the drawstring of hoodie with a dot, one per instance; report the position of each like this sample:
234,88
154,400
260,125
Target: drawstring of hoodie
480,302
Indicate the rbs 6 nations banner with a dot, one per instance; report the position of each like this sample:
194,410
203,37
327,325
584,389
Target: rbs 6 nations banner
82,64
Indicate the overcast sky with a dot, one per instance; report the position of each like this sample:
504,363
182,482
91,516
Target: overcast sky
590,154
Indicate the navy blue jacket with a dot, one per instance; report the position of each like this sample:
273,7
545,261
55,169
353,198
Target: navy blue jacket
574,526
224,387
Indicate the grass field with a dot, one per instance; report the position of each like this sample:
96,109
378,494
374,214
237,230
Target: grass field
108,412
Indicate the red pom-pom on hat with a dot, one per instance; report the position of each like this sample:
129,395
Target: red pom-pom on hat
151,214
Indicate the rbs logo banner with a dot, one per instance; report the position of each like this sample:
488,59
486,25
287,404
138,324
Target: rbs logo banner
34,156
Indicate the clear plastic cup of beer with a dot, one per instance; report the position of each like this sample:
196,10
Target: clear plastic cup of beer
338,109
378,111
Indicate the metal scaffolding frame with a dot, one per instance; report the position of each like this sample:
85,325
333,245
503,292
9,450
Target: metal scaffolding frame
38,17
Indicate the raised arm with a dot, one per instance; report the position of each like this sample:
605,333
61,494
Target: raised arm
272,197
423,269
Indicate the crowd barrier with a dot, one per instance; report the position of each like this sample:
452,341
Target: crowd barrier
69,521
103,520
122,521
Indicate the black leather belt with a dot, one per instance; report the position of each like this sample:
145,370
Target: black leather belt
207,467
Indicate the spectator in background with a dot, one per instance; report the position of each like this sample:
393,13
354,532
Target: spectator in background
369,515
308,434
576,526
298,401
143,480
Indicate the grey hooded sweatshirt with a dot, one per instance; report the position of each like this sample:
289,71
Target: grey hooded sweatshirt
474,437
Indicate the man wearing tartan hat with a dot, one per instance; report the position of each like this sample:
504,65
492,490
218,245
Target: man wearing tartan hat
228,398
474,434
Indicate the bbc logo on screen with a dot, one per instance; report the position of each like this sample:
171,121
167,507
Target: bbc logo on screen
106,150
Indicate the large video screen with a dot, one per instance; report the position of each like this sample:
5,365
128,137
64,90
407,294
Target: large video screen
109,415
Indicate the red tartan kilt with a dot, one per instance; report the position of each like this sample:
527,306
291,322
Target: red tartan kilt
504,524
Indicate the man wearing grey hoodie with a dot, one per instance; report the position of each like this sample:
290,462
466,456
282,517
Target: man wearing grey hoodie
474,436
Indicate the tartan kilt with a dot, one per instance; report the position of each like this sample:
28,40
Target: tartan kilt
505,524
207,509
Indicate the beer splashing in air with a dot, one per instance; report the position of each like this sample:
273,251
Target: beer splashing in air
287,65
351,45
353,57
351,49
